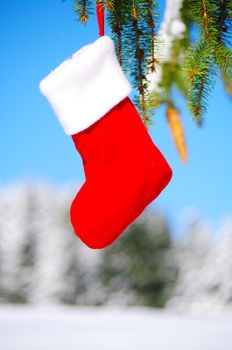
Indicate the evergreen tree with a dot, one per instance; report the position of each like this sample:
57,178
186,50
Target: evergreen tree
12,240
42,261
138,268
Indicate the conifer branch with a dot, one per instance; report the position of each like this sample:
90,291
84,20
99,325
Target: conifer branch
214,20
205,19
152,26
224,22
109,5
139,56
189,66
221,20
198,108
115,20
82,9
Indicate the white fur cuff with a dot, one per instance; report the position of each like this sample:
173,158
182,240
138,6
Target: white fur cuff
86,86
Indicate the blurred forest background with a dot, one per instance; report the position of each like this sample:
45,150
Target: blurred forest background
42,261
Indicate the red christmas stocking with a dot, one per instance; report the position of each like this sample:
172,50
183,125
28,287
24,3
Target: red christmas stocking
124,170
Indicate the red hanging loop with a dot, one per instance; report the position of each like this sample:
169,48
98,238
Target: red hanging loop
100,17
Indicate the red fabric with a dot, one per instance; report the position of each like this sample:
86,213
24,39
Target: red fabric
124,172
100,18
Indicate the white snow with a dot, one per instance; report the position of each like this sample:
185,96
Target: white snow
61,328
172,28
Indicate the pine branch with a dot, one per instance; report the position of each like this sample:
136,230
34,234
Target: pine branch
203,13
151,23
206,19
221,20
214,20
82,9
224,22
223,56
137,40
199,107
115,18
189,67
139,56
201,71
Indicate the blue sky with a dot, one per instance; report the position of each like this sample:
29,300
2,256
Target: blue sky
35,37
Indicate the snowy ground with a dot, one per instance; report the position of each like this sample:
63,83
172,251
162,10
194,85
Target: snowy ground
25,328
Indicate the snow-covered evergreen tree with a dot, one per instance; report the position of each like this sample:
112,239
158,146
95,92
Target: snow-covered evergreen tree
205,270
140,268
42,261
13,220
